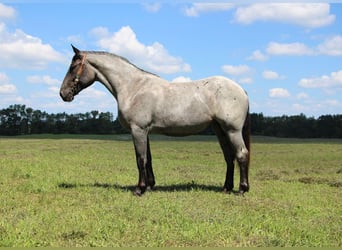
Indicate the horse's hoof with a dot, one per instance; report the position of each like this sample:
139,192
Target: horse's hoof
139,191
227,191
241,193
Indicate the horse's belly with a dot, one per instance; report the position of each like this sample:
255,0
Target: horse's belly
181,125
180,130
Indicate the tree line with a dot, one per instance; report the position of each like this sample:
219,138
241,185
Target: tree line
21,120
297,126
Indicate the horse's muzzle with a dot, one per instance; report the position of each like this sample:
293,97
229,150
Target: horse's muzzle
66,96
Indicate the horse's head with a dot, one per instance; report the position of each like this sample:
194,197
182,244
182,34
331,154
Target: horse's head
79,76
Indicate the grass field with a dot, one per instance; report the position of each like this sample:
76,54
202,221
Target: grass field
76,191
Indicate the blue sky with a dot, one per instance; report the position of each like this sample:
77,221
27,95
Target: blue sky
288,57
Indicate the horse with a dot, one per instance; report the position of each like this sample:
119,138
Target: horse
149,104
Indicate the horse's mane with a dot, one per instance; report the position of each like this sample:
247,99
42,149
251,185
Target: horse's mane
122,58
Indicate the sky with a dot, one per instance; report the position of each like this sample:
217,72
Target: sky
288,57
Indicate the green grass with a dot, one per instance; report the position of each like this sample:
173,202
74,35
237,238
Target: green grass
58,190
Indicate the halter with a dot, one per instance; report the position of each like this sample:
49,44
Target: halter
80,70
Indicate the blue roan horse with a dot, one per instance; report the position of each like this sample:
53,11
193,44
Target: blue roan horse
150,104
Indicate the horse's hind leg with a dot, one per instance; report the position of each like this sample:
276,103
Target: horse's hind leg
150,176
229,157
241,154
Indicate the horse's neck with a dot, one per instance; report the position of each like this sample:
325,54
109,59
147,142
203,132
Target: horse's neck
116,74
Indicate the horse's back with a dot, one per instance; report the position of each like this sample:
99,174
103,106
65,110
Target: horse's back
219,85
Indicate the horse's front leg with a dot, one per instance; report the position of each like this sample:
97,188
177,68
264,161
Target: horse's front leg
140,145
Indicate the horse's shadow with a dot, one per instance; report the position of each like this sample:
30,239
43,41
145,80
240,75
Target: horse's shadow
179,187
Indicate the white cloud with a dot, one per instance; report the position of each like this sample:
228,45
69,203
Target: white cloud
6,88
279,93
20,50
302,96
100,32
50,93
197,8
152,57
240,73
300,108
92,93
289,49
76,39
257,55
3,78
331,46
152,7
326,81
236,70
271,75
310,106
43,79
182,79
332,102
318,107
245,80
6,12
310,15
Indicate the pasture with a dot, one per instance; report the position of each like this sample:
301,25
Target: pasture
76,191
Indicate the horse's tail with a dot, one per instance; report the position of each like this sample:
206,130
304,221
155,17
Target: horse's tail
246,134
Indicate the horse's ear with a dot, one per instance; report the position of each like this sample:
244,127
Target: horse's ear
76,50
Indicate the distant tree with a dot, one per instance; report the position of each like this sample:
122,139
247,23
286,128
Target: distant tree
258,122
94,113
329,126
14,120
118,129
